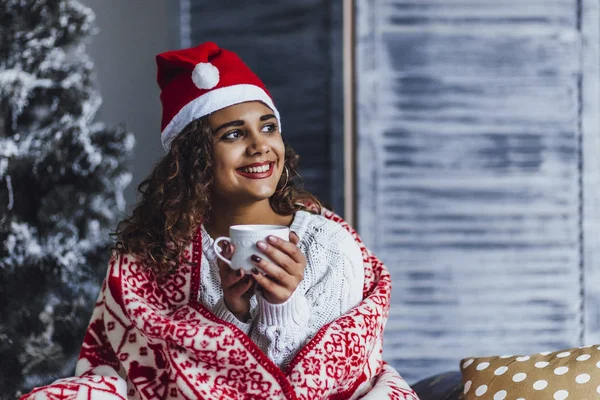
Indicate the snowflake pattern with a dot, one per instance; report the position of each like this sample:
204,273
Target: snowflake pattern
209,358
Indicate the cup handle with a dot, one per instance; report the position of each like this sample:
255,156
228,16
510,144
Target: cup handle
218,249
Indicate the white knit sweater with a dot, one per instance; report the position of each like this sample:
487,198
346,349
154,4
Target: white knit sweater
332,284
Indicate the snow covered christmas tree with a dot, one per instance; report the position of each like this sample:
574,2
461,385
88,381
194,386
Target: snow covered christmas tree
61,189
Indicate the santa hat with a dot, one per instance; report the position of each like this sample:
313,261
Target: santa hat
200,80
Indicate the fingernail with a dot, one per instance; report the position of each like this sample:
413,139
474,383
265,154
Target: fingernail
261,245
272,239
238,273
255,258
254,271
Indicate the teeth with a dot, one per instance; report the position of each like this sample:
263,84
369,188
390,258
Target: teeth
256,170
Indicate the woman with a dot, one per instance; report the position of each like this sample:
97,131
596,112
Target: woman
174,322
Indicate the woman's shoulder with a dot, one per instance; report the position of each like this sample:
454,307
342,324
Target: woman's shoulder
317,229
120,257
305,221
121,262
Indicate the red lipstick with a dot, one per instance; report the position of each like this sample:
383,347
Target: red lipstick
255,170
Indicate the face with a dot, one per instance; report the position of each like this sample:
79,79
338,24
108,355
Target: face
249,153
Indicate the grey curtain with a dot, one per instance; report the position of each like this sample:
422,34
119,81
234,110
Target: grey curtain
295,47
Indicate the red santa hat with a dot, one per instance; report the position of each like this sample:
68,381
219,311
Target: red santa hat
200,80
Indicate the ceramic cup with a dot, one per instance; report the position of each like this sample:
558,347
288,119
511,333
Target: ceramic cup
244,238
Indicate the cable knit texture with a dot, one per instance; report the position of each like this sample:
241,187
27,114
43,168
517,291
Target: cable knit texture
332,285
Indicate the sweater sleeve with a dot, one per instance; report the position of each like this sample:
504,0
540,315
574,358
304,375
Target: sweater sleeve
223,312
332,284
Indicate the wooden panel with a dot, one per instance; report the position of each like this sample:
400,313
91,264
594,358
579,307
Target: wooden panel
469,165
590,125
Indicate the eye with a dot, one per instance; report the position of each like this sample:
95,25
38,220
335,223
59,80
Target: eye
232,135
269,128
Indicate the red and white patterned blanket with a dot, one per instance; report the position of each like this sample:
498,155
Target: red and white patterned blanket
150,341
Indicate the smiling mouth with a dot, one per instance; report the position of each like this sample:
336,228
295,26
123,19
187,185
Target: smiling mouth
257,171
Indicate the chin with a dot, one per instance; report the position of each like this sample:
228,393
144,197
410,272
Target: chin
255,194
262,195
262,190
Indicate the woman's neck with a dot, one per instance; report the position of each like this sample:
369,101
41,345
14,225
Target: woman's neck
223,215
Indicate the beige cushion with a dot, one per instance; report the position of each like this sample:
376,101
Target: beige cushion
572,374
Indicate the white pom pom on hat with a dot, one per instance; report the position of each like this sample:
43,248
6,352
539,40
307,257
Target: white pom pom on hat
205,75
200,80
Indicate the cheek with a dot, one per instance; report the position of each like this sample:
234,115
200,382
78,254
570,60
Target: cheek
222,168
279,148
224,183
222,172
225,157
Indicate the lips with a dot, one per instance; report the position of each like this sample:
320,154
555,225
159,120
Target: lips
257,170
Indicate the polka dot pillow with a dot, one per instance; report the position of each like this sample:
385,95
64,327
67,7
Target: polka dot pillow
572,374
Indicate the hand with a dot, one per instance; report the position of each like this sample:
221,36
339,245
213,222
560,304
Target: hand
238,287
285,273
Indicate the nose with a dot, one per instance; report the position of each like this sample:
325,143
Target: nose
257,144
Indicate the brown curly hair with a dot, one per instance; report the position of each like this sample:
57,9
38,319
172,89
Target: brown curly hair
175,199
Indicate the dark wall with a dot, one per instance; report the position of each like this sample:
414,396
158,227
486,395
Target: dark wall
296,49
123,52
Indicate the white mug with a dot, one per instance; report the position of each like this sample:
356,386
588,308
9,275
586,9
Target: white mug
244,238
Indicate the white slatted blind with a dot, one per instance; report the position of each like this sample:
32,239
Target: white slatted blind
470,171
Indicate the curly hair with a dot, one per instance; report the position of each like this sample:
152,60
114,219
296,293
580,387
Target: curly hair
175,199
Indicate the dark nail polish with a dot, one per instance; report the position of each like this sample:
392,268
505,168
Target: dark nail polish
254,271
255,258
238,273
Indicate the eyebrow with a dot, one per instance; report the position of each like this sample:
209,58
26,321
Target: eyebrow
239,122
266,117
